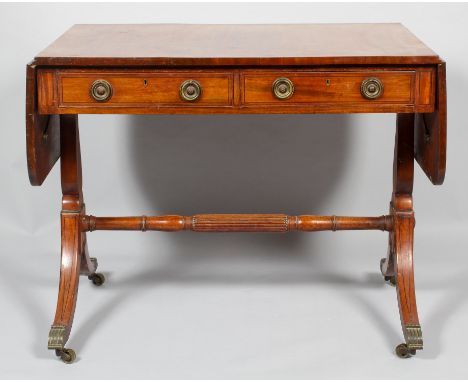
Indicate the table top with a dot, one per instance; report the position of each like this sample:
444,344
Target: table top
247,44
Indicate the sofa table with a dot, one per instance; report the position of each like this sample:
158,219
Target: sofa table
235,69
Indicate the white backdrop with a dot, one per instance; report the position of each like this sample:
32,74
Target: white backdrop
188,305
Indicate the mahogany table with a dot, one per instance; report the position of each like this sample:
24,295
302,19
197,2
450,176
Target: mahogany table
236,69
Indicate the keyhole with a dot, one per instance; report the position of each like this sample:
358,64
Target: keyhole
145,83
327,82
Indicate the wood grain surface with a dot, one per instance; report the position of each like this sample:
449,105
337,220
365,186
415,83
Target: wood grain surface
235,68
285,44
236,91
42,133
430,146
236,223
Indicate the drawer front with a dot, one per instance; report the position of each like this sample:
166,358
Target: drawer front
109,89
394,87
236,91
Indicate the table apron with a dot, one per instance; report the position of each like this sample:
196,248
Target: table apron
236,91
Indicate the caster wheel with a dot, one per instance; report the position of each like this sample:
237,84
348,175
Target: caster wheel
391,280
66,355
402,351
97,278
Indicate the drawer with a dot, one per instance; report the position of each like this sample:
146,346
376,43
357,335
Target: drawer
356,87
144,88
236,91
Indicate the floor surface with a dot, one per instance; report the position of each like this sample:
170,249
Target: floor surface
199,315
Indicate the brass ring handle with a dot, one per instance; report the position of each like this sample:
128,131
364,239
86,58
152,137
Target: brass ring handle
190,90
283,88
371,88
101,90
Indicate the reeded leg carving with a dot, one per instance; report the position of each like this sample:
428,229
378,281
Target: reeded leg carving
398,266
404,232
75,259
68,286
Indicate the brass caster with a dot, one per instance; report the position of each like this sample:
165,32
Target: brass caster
94,261
66,355
402,351
97,278
391,280
382,262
